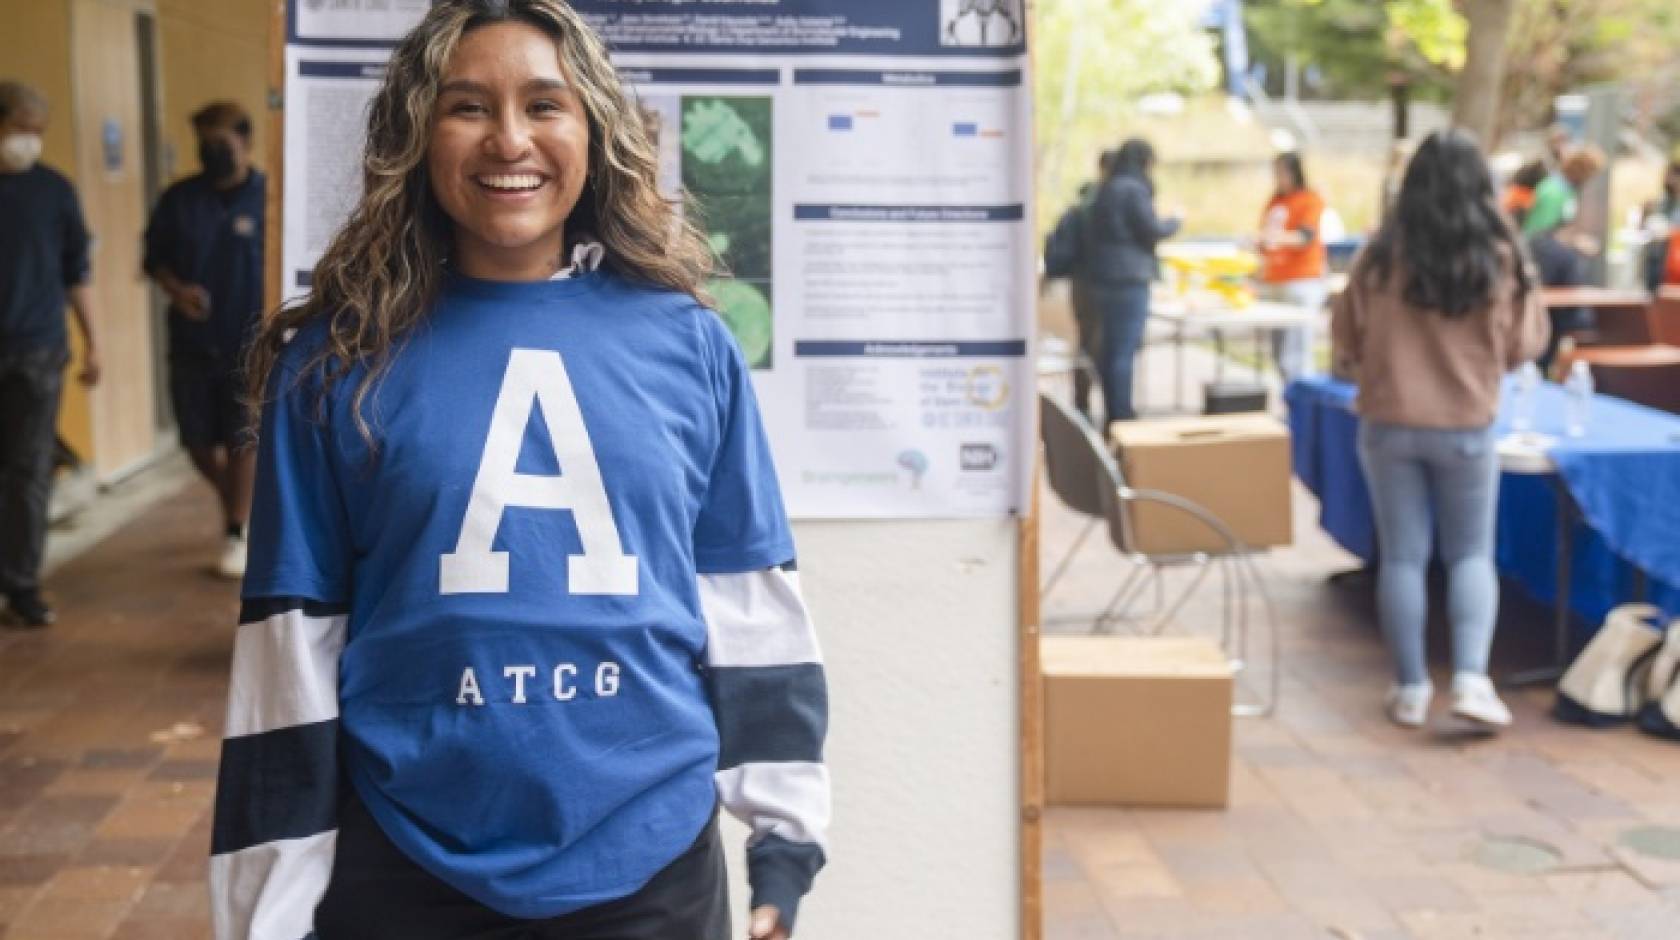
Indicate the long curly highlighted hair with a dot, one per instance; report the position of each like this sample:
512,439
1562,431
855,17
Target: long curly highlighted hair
380,275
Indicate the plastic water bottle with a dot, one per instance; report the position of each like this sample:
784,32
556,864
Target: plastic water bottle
1522,404
1580,388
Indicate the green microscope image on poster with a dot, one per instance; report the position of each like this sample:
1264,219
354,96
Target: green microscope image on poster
726,171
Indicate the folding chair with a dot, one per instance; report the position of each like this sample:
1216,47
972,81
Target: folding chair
1086,477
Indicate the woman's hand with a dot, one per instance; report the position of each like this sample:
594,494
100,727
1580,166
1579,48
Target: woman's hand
767,925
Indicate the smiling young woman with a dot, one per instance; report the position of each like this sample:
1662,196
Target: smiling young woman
517,618
509,152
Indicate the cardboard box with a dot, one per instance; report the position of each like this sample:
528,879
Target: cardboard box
1136,721
1235,466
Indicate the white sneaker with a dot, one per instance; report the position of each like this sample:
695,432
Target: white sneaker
232,563
1474,699
1408,705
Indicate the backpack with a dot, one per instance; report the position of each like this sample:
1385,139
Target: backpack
1065,245
1611,681
1661,714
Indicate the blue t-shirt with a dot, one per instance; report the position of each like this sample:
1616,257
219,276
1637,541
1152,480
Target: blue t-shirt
213,238
521,693
44,249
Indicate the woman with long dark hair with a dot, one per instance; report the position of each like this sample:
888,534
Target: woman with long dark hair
1118,265
520,612
1438,308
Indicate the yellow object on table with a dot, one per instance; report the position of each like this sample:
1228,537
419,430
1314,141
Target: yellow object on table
1224,275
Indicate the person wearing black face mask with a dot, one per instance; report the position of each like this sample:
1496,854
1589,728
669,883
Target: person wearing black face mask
218,160
204,248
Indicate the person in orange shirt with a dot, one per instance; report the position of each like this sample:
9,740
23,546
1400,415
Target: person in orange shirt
1293,259
1662,262
1662,255
1519,191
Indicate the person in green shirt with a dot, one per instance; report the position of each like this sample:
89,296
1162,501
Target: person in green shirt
1559,249
1556,197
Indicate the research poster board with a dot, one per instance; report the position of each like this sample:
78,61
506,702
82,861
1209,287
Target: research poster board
863,170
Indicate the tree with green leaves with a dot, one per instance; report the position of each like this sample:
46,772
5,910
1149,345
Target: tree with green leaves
1500,62
1558,46
1361,48
1482,79
1094,60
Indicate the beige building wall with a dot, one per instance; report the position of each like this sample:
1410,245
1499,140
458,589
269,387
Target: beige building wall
81,54
35,48
211,50
108,114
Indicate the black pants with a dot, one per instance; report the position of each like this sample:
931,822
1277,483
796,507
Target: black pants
205,392
1089,324
1123,311
30,385
376,893
1560,266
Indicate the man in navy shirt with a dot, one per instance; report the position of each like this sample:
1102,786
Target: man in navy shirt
204,248
43,264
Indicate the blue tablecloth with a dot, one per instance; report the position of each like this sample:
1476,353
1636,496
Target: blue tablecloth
1624,474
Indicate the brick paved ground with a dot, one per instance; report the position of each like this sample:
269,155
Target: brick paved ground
1343,826
1340,825
109,733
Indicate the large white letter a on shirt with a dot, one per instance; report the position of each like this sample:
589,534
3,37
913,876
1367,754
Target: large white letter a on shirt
533,377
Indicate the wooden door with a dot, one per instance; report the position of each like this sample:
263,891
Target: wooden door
111,180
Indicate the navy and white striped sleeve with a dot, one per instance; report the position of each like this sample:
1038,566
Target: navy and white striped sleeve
276,813
271,850
763,665
770,697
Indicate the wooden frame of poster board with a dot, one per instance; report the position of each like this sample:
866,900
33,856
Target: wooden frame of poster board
275,217
1030,687
1031,710
1028,621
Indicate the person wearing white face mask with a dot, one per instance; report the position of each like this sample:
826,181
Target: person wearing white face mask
43,264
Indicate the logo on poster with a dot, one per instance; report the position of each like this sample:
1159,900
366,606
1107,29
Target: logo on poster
980,22
987,388
917,463
979,458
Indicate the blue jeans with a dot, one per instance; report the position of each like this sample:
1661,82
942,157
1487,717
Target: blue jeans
1123,311
1292,348
1429,483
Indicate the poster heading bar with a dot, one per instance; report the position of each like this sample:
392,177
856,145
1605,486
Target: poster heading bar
807,213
